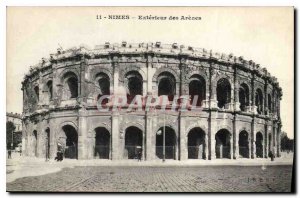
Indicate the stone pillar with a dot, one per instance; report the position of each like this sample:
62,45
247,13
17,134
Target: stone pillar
231,146
149,135
235,140
254,111
183,139
53,145
275,140
116,136
82,134
266,141
212,131
279,141
206,146
252,142
149,72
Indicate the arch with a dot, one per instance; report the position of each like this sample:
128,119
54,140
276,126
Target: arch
102,143
259,145
223,141
166,85
223,92
49,86
170,143
162,70
196,143
244,144
101,71
197,89
270,103
134,84
35,142
103,83
133,142
244,96
70,84
37,93
103,86
132,68
69,141
259,100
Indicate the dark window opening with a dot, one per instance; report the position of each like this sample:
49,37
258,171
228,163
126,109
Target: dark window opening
197,89
244,97
223,92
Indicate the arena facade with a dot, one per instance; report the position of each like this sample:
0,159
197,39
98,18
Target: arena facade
239,102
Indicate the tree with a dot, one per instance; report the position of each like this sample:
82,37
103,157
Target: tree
287,144
10,128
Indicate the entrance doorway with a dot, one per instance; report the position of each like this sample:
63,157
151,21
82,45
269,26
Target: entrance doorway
133,142
170,143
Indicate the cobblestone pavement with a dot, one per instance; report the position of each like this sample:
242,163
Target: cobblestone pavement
160,179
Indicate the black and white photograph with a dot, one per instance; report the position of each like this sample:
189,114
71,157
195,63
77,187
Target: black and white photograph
150,99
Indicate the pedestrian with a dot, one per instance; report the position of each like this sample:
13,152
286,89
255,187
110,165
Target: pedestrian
271,155
9,154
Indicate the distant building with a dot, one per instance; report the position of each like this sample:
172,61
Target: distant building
17,120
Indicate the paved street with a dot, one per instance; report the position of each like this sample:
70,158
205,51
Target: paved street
160,179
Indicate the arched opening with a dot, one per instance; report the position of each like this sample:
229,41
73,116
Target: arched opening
35,141
133,142
259,101
47,143
196,144
103,86
71,147
134,82
259,145
244,96
170,143
197,89
243,144
223,144
102,143
223,92
37,93
166,85
270,103
49,89
70,86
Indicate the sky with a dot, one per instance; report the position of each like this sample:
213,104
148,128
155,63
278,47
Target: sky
264,35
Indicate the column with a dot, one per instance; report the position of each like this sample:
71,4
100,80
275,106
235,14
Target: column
279,141
266,142
211,132
231,146
82,134
53,144
149,71
116,135
206,146
183,139
254,108
235,139
150,151
252,142
275,140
